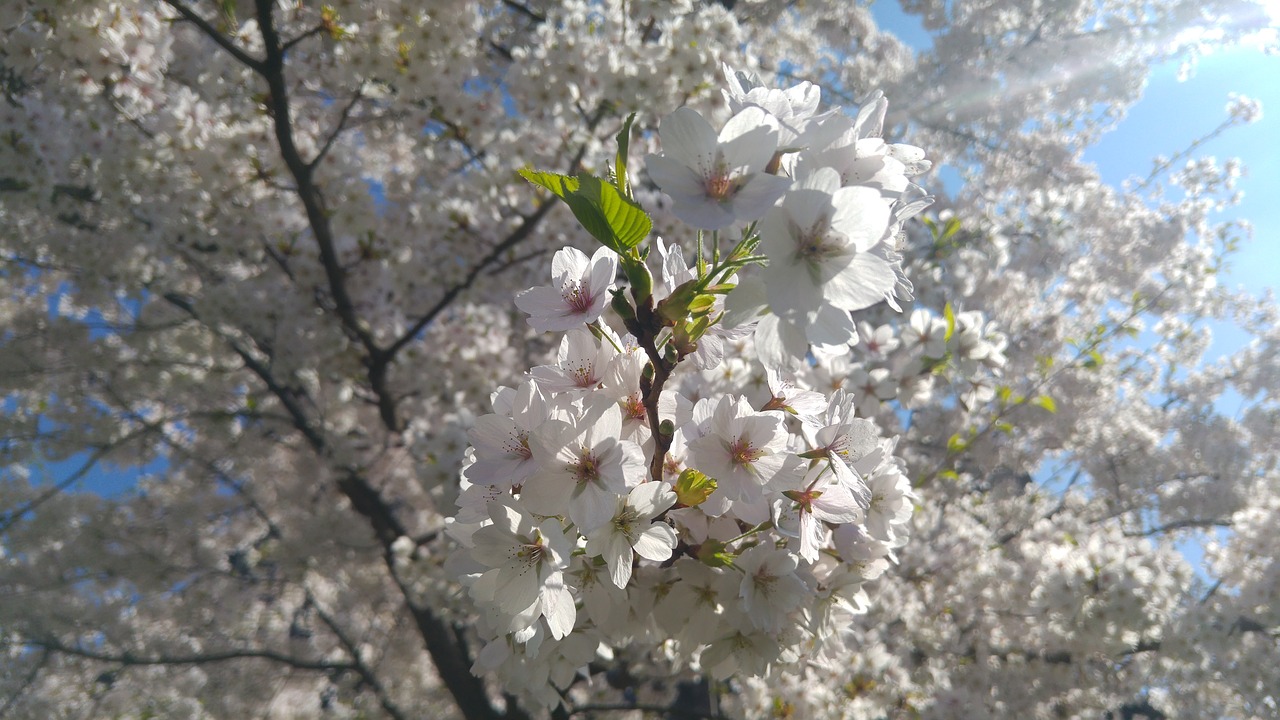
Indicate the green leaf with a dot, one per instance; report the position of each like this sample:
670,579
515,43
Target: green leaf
1094,361
618,223
950,314
1004,392
1045,402
560,185
624,144
951,228
1005,427
956,444
949,475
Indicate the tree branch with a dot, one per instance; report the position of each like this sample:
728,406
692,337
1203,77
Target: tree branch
212,33
337,130
128,658
317,212
366,673
526,228
1180,525
27,682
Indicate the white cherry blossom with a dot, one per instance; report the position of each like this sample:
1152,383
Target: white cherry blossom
578,292
632,531
717,180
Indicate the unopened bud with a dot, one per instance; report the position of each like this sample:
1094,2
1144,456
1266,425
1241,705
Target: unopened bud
622,307
640,279
713,554
693,488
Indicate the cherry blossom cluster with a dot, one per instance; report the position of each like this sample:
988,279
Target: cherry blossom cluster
638,491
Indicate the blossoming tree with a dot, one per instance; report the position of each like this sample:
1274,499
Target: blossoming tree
458,389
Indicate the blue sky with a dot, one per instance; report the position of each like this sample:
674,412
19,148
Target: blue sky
1170,116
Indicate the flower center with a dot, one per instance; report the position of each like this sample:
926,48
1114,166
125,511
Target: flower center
532,552
813,246
719,185
742,452
634,408
575,297
518,444
587,469
583,374
625,521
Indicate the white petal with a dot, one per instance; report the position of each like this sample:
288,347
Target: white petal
779,343
591,507
656,542
688,136
676,179
558,607
618,558
753,200
864,282
748,140
862,215
651,498
568,263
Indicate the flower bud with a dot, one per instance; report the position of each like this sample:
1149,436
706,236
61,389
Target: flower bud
622,307
693,488
640,279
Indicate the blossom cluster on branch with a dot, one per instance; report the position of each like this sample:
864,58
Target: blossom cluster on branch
623,497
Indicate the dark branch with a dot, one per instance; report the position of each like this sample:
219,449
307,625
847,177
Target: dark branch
1180,525
212,33
129,658
317,212
522,232
337,130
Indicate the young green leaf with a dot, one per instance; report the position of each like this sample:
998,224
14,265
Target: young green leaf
618,223
560,185
620,162
1046,402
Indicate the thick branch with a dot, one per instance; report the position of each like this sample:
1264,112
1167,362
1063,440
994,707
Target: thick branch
314,205
27,682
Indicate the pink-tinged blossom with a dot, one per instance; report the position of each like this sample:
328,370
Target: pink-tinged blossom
692,610
717,180
503,455
632,531
526,561
890,504
878,341
583,365
584,467
740,652
795,109
741,449
871,387
851,445
784,395
805,506
818,242
925,334
578,292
